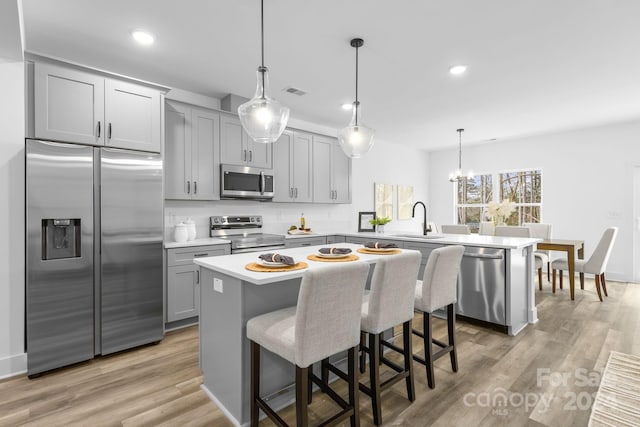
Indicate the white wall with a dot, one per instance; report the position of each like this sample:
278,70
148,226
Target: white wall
385,163
587,182
12,357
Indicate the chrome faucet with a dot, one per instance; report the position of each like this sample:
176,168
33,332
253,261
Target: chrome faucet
425,228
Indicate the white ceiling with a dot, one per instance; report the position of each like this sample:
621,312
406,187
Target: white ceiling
535,66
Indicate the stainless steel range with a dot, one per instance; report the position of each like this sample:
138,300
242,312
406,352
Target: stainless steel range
245,234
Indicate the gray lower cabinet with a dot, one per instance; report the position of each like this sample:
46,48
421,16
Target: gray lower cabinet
305,241
336,239
183,280
363,240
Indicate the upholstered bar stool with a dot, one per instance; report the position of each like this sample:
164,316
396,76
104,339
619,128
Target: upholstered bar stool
455,229
388,303
438,289
596,264
325,321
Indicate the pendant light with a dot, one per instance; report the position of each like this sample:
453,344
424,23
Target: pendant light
458,175
262,117
356,139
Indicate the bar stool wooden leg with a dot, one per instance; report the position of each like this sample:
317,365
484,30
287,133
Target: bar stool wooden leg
363,356
598,286
582,281
540,278
310,388
408,359
428,350
560,279
553,282
604,285
548,271
302,388
324,371
354,389
374,376
255,383
451,328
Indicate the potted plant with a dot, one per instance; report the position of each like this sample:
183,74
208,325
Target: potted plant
379,223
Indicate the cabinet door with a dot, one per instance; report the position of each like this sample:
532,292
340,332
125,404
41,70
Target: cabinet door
305,241
233,141
341,175
335,239
177,152
282,167
183,292
132,116
69,105
258,153
301,167
322,191
205,142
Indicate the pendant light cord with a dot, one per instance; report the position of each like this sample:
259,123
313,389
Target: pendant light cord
262,67
460,150
357,103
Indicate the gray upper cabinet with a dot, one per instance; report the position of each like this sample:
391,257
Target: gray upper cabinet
237,148
69,105
191,146
77,106
132,116
331,172
292,164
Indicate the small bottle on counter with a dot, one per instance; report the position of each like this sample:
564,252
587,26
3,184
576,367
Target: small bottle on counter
302,221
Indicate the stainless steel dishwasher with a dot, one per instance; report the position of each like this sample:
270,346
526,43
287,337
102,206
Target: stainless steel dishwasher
482,285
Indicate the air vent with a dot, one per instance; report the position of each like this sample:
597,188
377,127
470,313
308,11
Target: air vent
295,91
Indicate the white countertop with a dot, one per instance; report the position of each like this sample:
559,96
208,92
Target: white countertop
456,239
234,265
207,241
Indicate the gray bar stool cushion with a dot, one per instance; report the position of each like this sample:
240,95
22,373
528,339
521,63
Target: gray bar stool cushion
326,320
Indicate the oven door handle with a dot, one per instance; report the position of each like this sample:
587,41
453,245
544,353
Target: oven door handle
262,183
258,249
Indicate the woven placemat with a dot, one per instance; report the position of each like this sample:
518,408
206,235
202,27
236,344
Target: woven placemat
254,266
367,251
350,257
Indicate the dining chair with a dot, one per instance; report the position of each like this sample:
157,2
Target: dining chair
326,321
596,264
455,229
512,231
542,258
487,228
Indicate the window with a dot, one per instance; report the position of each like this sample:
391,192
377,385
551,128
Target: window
473,196
524,188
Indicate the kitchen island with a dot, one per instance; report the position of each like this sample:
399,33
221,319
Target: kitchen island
231,295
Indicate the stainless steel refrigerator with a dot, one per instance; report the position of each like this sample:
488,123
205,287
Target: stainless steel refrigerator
94,252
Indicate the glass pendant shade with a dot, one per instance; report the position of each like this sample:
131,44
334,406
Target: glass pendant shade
262,117
356,139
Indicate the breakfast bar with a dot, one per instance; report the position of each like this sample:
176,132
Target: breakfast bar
230,295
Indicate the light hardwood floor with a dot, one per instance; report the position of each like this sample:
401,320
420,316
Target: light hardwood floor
546,374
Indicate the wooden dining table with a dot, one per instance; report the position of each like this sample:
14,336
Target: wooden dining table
568,246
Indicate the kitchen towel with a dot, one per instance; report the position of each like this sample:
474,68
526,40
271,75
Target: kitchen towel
380,245
277,258
336,251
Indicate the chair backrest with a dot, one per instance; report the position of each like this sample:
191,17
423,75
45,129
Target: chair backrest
538,230
441,277
455,229
393,289
511,231
597,263
328,311
487,228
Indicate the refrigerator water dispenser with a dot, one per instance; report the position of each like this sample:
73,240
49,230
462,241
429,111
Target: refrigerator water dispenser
60,238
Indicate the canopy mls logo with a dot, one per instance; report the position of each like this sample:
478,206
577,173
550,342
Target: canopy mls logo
501,400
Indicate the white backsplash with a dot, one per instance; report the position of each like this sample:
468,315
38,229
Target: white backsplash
277,217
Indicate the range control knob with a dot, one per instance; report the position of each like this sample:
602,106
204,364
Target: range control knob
252,219
258,219
216,220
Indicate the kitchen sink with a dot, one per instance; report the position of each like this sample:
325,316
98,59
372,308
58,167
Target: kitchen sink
419,236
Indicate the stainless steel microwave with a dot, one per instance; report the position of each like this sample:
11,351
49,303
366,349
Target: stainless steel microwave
243,182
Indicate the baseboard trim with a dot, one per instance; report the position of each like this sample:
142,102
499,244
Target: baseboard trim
220,406
13,365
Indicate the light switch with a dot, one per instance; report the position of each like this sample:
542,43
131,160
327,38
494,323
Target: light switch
217,285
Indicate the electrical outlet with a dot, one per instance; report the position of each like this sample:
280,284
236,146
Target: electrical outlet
217,285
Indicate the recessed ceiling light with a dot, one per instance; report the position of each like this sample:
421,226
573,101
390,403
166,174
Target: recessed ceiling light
142,37
456,70
347,106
